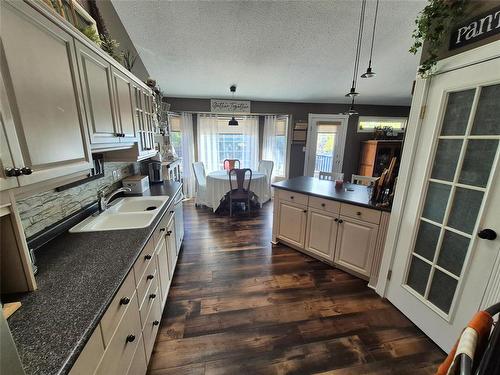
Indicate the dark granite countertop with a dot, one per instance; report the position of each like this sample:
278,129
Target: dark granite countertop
78,277
349,193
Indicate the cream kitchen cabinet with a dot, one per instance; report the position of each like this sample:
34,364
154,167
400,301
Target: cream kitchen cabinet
42,112
292,223
124,105
321,233
355,246
348,236
96,80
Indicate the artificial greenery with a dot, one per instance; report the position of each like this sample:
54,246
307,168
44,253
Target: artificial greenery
432,26
110,46
129,60
91,33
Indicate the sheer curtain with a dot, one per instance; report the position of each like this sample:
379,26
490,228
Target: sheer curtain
218,141
208,147
269,139
187,140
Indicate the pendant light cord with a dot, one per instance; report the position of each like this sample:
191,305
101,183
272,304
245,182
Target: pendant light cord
373,34
358,45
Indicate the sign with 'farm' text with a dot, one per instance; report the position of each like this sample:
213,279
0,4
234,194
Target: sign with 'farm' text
477,28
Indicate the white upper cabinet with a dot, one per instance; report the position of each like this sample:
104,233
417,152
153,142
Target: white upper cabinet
46,134
96,81
124,105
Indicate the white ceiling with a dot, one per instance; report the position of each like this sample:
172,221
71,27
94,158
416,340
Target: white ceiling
273,50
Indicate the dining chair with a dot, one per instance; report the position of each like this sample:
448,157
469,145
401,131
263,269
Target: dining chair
363,180
266,167
330,176
201,183
231,164
239,193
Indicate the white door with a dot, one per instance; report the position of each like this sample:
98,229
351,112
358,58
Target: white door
443,262
325,143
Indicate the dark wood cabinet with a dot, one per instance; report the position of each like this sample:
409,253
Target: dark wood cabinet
376,156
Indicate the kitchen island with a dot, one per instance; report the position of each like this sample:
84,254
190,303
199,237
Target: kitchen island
339,226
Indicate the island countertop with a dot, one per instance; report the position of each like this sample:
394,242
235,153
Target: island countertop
349,193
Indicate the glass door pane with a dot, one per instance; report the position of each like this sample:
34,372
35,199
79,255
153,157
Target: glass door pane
326,138
466,150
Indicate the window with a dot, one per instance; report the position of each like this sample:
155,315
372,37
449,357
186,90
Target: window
218,141
175,134
280,147
367,124
325,145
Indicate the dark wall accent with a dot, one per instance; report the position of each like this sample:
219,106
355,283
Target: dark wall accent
299,112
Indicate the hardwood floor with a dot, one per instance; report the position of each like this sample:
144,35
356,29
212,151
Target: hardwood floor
239,306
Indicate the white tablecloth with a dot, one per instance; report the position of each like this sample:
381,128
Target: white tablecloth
218,186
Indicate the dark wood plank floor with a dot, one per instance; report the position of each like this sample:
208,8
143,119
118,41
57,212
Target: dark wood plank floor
239,306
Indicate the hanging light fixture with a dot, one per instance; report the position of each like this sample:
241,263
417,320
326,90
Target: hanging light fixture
352,92
233,121
351,111
369,72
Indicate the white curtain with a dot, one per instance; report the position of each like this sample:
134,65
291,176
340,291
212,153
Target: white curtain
186,127
208,147
214,128
269,139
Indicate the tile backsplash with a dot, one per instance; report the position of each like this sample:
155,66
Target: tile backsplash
44,209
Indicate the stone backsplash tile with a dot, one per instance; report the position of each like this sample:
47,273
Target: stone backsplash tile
44,209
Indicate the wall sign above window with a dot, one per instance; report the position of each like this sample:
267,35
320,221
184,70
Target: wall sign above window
229,106
477,28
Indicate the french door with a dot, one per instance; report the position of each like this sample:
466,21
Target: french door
446,250
325,143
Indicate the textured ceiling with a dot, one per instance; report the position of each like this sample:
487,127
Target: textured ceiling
273,50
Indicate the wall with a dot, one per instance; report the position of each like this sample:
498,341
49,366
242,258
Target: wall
117,31
299,112
44,209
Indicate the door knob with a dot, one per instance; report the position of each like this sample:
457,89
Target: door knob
12,172
26,170
487,234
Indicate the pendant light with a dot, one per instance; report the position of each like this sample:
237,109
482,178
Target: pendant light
233,121
369,72
351,111
352,92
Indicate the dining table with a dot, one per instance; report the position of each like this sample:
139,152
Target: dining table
218,186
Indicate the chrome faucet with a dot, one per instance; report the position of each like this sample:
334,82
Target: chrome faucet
104,201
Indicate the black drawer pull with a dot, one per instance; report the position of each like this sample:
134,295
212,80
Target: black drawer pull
156,322
358,213
323,205
162,229
169,233
124,301
130,338
147,256
150,277
336,220
152,296
291,196
341,221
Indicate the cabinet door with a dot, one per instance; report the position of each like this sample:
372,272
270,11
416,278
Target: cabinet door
124,105
356,241
171,246
292,223
95,77
321,233
163,269
179,222
6,161
47,133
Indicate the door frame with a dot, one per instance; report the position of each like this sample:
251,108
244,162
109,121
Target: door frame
311,136
417,114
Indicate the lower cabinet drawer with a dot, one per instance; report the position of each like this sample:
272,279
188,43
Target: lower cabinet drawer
144,283
122,347
119,305
360,213
152,294
151,328
91,355
139,366
144,260
324,204
291,196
